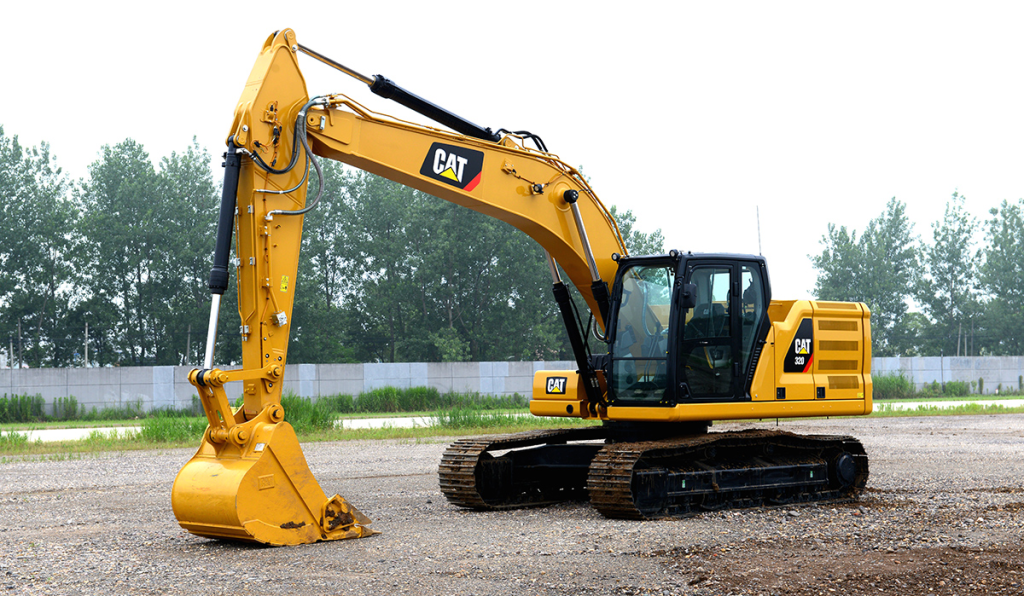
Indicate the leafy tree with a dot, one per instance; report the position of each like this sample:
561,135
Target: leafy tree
1002,275
397,275
637,242
839,266
880,269
189,204
320,324
891,270
494,290
386,273
435,281
949,291
36,276
383,240
127,240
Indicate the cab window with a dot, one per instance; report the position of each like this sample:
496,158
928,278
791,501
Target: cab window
640,349
707,352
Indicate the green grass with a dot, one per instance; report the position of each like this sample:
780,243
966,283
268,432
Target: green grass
178,432
167,432
416,414
172,430
452,414
11,441
892,386
885,410
22,408
462,418
392,400
28,411
66,424
898,386
922,398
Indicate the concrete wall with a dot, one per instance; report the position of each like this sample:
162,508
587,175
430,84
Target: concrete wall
152,387
168,387
996,370
155,387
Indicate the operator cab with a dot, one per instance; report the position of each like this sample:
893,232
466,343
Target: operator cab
687,327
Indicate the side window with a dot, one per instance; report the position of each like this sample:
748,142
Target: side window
752,308
710,318
707,350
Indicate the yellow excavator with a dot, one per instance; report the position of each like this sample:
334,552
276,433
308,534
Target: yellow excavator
691,338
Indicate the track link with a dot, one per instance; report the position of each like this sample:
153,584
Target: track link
471,477
687,476
676,477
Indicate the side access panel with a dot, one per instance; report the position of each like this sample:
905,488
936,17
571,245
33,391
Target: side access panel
822,351
842,350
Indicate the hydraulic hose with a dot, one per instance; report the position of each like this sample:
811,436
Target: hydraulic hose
300,123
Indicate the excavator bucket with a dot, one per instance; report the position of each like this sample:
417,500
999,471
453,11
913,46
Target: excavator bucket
250,481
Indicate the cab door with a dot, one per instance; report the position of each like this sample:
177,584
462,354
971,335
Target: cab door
718,338
708,347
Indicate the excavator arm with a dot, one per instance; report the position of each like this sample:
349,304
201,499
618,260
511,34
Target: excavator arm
249,479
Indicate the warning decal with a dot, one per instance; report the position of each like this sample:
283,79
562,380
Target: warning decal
801,351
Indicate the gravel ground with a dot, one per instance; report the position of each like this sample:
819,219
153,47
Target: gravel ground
942,516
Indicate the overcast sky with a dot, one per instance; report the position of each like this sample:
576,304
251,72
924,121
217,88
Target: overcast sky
693,115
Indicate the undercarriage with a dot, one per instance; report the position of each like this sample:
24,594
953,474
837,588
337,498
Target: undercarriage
665,478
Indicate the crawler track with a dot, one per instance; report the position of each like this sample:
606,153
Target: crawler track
470,476
682,477
675,477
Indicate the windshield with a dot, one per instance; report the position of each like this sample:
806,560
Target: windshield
640,349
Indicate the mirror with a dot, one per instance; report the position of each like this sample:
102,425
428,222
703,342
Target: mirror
688,296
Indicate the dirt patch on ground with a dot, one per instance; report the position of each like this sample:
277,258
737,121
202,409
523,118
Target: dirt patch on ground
876,561
794,569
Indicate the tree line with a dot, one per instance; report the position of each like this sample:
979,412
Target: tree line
958,293
386,274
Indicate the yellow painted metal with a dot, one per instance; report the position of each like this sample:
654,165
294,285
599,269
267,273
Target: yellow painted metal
397,150
841,371
249,479
740,410
558,393
214,494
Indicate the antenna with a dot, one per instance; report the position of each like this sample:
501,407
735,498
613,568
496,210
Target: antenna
759,231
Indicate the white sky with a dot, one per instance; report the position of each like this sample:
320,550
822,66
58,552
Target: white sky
692,114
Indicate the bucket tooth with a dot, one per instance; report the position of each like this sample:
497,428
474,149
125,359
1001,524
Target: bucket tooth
338,516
